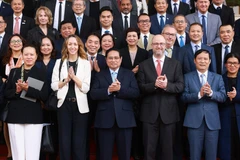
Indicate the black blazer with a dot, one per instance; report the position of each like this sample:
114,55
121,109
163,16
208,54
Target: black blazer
187,41
183,8
34,35
227,14
161,102
118,22
5,9
27,24
237,30
3,49
218,53
20,110
141,56
88,26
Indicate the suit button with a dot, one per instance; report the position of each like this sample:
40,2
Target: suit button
114,95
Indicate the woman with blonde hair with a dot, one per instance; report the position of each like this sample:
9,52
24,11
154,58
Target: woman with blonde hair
43,20
71,79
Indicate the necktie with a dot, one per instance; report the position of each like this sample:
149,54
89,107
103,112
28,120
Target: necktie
159,69
107,32
226,50
169,51
0,42
145,42
161,23
79,22
16,27
181,41
114,76
92,58
219,11
203,79
175,9
204,30
60,13
184,1
196,48
125,22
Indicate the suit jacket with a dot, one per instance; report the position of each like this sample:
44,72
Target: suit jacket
5,9
3,49
155,26
188,60
27,24
83,73
218,53
158,101
149,45
206,107
126,59
237,30
187,41
101,63
212,30
20,110
88,26
58,47
183,9
227,14
118,22
116,107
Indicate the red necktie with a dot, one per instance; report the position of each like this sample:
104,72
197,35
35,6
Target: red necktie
158,68
16,27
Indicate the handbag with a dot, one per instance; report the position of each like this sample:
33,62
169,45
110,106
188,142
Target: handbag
47,144
51,103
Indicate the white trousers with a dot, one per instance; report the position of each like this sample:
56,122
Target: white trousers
25,140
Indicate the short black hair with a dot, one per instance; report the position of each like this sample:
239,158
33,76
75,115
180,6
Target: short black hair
66,21
132,30
231,55
195,24
201,51
107,34
142,14
113,49
105,8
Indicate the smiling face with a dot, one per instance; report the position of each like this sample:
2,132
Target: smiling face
125,6
107,43
43,18
46,46
203,5
158,46
180,24
67,29
144,23
29,56
72,46
3,25
161,6
113,60
132,38
92,44
169,33
196,33
232,65
106,19
78,7
17,6
16,43
226,34
202,62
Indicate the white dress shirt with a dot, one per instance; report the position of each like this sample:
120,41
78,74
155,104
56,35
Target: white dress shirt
55,21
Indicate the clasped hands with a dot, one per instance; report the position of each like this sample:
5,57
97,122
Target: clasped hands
205,90
21,85
114,87
232,94
161,82
94,65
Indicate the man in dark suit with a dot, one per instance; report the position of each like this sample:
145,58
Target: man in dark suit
106,19
202,93
4,37
160,80
226,46
195,34
160,19
54,6
116,9
85,24
114,88
5,9
176,7
18,23
180,24
126,19
226,13
237,30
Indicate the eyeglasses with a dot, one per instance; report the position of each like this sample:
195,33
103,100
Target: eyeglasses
232,63
113,58
143,21
179,21
170,34
78,5
157,44
16,41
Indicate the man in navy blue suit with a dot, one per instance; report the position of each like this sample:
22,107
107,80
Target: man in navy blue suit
202,93
5,9
114,88
160,19
196,34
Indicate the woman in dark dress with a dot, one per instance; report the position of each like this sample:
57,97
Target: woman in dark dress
229,141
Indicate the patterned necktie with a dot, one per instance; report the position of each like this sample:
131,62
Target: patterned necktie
169,51
145,42
159,68
16,27
204,30
181,41
114,76
175,9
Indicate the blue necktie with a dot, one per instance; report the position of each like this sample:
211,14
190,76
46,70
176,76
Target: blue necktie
184,1
145,42
161,23
196,48
181,41
226,50
175,9
204,30
114,76
107,32
79,22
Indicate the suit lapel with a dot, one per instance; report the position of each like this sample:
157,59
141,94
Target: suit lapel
196,79
108,76
165,66
210,78
120,75
196,18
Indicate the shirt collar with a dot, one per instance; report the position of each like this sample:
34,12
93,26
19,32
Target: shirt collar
158,15
200,14
111,71
215,6
172,2
194,44
110,30
205,73
125,14
162,59
89,55
184,35
230,45
79,15
14,16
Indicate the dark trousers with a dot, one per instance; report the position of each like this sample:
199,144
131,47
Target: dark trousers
106,138
161,134
72,126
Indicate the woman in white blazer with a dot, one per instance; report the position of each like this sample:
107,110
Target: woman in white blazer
72,84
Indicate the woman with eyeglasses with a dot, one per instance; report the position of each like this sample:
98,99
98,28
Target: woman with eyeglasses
71,79
12,59
229,139
26,88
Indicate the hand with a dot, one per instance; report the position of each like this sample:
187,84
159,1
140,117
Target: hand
205,90
232,94
162,81
95,65
135,69
71,73
18,88
115,86
23,85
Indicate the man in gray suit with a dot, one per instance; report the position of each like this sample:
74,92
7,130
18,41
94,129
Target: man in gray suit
210,22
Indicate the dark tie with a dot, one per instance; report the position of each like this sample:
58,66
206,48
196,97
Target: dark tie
161,23
92,58
0,42
145,42
125,22
175,9
204,30
219,11
196,48
60,13
226,50
181,41
107,32
184,1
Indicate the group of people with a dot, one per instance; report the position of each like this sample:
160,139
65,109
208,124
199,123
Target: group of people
137,71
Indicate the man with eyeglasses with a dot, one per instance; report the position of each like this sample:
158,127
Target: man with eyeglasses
226,46
144,24
4,37
160,80
196,34
85,24
114,88
180,24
